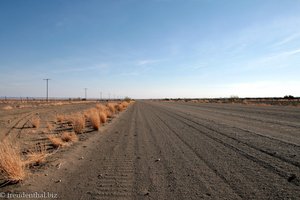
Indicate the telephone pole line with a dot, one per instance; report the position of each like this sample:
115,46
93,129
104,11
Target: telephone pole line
47,89
85,92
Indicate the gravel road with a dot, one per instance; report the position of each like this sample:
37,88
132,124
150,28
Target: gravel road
158,150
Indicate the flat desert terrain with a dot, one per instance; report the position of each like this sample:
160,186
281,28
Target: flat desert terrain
176,150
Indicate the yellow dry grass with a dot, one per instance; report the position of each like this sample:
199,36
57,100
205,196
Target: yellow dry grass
111,107
108,113
119,107
49,126
37,156
122,106
60,117
125,104
103,117
100,107
7,108
56,141
69,137
12,167
35,121
94,119
78,123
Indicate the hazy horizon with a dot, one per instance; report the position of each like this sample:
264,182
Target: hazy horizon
150,49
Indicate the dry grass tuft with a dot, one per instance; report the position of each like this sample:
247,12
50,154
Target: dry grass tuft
125,104
56,141
49,127
12,166
100,107
60,118
120,107
69,137
111,107
37,156
94,119
103,117
78,123
35,121
108,113
7,108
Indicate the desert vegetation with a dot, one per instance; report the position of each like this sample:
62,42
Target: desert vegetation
7,107
36,156
12,166
35,122
16,160
78,122
69,137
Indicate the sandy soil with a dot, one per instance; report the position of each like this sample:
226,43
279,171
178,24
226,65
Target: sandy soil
157,150
16,122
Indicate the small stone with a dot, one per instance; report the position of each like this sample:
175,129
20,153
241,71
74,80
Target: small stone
46,174
58,165
157,160
147,193
100,176
292,177
58,181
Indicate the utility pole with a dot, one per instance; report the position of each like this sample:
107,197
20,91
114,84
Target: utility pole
100,96
85,92
109,96
47,89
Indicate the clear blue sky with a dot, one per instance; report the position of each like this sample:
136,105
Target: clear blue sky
150,48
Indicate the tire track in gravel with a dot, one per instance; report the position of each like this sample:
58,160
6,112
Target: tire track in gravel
277,167
246,153
186,167
244,117
210,118
279,143
116,180
18,125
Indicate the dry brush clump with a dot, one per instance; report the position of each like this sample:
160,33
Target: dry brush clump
60,117
100,107
56,141
108,113
69,137
7,108
111,107
49,126
12,166
78,123
119,107
94,118
37,156
122,106
103,117
35,122
125,104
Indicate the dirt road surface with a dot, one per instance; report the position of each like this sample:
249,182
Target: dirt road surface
159,150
